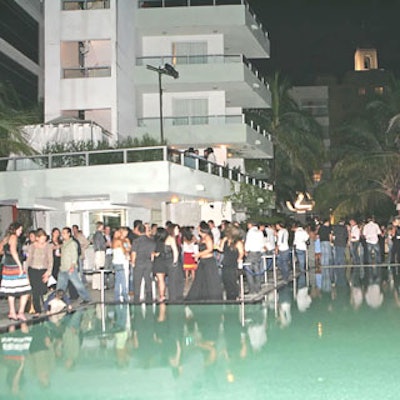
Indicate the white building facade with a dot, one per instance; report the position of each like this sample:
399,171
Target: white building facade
96,57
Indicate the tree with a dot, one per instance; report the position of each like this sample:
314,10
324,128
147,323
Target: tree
297,138
13,115
368,168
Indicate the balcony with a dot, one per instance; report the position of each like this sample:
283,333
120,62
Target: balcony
142,177
242,137
87,72
242,83
234,19
69,5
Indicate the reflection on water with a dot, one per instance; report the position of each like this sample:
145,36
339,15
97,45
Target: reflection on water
338,345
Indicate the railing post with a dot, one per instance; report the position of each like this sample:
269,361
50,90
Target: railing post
86,159
50,161
165,153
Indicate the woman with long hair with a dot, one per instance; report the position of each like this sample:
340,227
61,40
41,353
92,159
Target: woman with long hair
15,282
163,256
175,272
56,243
233,249
207,283
189,249
40,266
120,259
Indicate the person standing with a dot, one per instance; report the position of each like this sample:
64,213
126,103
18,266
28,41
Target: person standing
206,284
121,247
78,235
340,238
301,238
142,255
14,281
69,266
325,237
282,250
40,266
233,249
354,234
254,246
371,232
99,247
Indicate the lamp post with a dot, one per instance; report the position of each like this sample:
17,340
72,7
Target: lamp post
169,70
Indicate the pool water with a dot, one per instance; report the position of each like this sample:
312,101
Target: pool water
330,351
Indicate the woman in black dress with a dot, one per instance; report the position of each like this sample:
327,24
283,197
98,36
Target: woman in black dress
56,242
207,283
232,248
164,255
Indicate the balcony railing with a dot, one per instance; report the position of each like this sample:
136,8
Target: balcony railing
87,72
201,59
202,120
68,5
196,3
125,156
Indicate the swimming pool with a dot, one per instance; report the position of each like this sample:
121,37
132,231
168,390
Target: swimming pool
330,351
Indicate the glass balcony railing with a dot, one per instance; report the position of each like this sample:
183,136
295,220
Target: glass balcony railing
201,59
199,3
68,5
86,72
125,156
154,123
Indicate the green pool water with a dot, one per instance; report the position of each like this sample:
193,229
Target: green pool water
330,351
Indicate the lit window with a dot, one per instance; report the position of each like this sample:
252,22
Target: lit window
379,90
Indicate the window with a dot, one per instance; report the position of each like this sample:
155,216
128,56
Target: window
362,91
379,90
189,52
85,4
196,111
367,62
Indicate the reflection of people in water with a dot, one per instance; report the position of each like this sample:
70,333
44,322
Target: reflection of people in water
41,358
71,341
15,348
373,295
285,307
122,327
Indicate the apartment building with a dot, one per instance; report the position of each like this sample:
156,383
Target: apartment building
106,66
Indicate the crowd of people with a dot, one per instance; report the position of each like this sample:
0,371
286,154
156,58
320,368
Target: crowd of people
193,264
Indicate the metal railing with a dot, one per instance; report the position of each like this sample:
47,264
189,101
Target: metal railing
201,59
87,72
126,156
213,120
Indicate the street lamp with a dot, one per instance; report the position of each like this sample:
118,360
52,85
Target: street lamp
169,70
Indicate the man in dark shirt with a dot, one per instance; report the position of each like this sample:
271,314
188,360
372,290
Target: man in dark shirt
142,251
340,239
325,236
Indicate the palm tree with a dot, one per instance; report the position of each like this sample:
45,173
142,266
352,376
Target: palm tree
368,170
13,115
297,139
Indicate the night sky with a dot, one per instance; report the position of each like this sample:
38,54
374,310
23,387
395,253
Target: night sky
310,37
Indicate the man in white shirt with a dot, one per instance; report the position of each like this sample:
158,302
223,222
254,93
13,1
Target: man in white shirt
282,250
301,238
254,245
371,232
